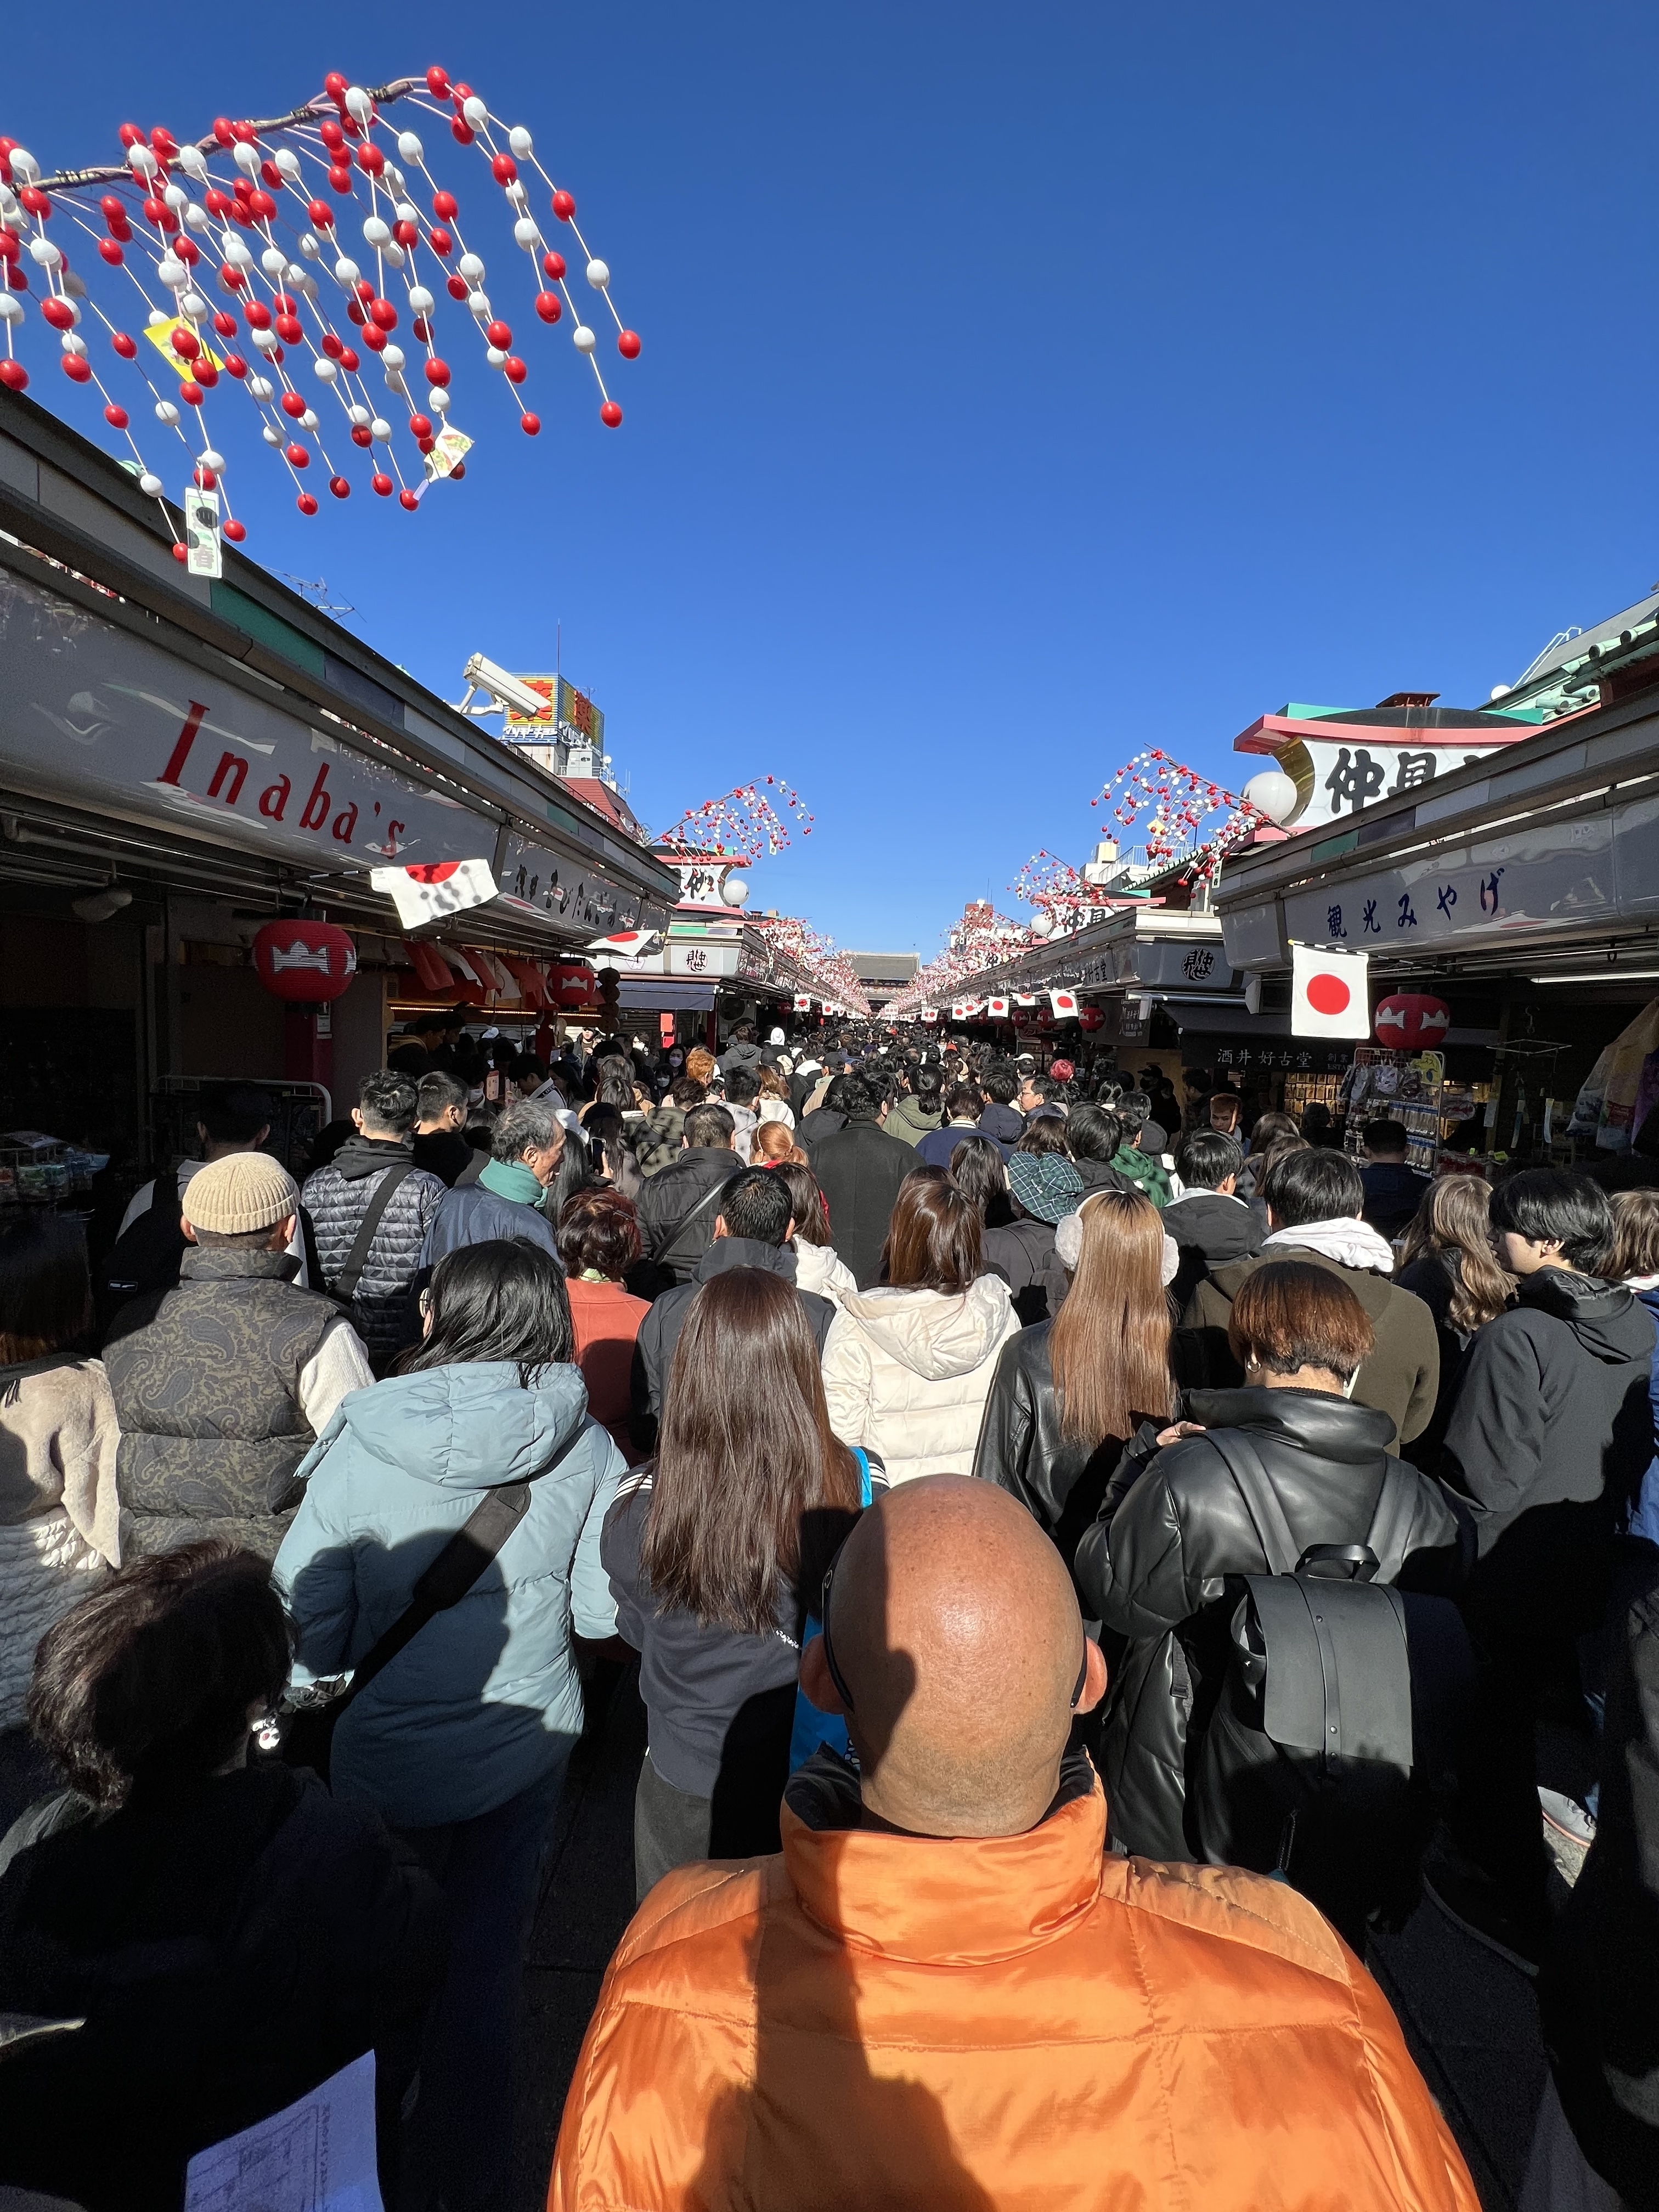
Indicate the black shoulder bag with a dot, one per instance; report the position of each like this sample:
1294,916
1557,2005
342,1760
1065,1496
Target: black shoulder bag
343,1289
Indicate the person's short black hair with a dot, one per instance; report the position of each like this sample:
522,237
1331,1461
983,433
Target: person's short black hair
1000,1079
387,1101
709,1125
1549,1203
1048,1088
1312,1186
962,1103
149,1679
1133,1109
924,1085
742,1033
233,1112
742,1085
1207,1158
436,1092
1387,1136
857,1101
687,1093
1093,1133
755,1204
839,1089
430,1024
525,1063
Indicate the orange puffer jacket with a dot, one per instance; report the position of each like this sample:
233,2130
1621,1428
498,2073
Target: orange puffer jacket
875,2020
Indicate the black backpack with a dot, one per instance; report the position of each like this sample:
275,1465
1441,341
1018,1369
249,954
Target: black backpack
1305,1769
146,1256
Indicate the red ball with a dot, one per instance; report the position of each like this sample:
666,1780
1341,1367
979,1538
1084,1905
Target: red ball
293,405
262,204
513,369
457,287
499,334
409,499
59,313
420,426
364,290
235,365
14,375
374,339
627,345
425,445
406,234
222,131
321,213
461,132
306,503
184,343
130,135
110,252
437,82
564,206
232,279
331,345
340,177
11,247
340,486
371,160
126,346
439,241
236,531
299,456
335,86
225,323
77,369
554,264
423,329
206,375
548,306
288,329
385,315
504,169
180,553
258,315
437,371
205,478
362,434
272,175
458,471
187,250
530,424
611,415
446,206
37,202
331,134
112,209
216,202
116,417
350,360
380,484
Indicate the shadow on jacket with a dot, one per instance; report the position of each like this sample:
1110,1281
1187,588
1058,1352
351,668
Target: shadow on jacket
859,1169
230,1946
677,1210
1023,1253
1210,1230
660,1331
470,1214
1162,1564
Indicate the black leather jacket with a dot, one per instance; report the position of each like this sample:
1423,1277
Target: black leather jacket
1161,1563
1021,1450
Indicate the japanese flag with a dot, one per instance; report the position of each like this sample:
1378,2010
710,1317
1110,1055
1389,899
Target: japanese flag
1329,995
803,1004
1064,1004
997,1009
431,890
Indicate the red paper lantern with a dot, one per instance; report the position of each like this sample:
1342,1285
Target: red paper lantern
572,984
308,963
1411,1021
1090,1017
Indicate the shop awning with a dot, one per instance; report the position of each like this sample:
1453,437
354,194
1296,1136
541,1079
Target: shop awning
665,995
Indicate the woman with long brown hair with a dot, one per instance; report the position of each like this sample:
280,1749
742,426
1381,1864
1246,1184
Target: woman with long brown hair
715,1550
1447,1260
908,1365
1070,1392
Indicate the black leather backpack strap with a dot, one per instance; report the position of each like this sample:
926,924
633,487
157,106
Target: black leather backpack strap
1254,1486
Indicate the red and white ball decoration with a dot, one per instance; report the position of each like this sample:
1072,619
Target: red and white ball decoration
743,824
1411,1021
293,258
1179,799
306,963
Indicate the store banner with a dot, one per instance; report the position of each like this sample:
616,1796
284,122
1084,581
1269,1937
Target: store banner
1329,993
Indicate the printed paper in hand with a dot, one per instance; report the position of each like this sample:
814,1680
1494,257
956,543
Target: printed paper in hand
316,2156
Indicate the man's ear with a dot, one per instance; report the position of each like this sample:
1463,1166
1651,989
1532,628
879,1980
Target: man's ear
357,1119
188,1229
1227,1187
721,1228
819,1685
789,1233
1094,1681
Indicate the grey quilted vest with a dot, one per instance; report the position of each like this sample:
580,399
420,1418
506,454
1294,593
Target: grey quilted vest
336,1197
206,1383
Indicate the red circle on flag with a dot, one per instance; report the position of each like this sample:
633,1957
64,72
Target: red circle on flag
1327,993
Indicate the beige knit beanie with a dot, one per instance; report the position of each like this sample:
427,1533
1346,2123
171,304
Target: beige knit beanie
240,1193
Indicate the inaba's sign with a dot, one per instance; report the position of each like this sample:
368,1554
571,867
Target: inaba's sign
99,716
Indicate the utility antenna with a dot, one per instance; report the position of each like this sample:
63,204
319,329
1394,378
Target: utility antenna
316,594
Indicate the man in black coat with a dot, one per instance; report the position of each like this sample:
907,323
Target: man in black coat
753,1229
859,1169
677,1206
1211,1224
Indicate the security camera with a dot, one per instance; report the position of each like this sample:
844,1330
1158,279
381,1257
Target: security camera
505,690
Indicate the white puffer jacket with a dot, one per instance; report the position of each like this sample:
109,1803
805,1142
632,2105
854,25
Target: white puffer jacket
59,1511
819,1267
907,1373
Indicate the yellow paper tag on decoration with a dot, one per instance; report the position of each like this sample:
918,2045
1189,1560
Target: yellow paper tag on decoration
452,446
161,336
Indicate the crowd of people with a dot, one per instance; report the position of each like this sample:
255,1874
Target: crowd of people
1092,1554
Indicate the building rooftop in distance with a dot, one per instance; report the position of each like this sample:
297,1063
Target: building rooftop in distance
893,967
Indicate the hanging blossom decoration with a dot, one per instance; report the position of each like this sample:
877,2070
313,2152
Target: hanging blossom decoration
744,824
980,939
1179,799
1058,890
816,958
244,259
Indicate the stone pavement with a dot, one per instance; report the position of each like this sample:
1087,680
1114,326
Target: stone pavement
1471,2020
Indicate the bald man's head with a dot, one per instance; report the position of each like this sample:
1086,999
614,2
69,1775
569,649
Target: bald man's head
955,1631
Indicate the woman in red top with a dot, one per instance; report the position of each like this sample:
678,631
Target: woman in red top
599,1242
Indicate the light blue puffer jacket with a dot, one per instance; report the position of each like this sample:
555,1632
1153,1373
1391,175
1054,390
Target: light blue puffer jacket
484,1700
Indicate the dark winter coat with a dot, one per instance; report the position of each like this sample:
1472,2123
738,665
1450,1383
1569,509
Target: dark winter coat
1402,1373
230,1945
859,1169
1600,1992
676,1226
743,1055
1644,1514
934,1150
1003,1125
206,1384
445,1153
1210,1231
1024,1255
1393,1194
660,1331
470,1214
337,1197
1433,1278
810,1128
1022,1450
1550,1433
1161,1566
1101,1175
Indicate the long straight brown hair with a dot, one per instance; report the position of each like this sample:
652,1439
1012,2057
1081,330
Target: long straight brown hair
745,1454
1108,1346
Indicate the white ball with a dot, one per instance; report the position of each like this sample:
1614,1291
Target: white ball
393,356
411,147
393,178
358,416
376,232
406,211
213,460
10,311
324,369
440,399
287,161
176,197
74,342
470,267
478,303
358,103
191,304
522,142
309,420
736,890
193,162
301,280
156,317
138,157
599,274
274,261
239,253
171,272
583,339
395,256
495,358
43,251
394,382
527,234
261,388
24,166
1273,793
515,193
245,157
1042,924
271,436
310,245
197,218
264,341
421,301
381,430
150,486
165,411
475,111
346,270
74,288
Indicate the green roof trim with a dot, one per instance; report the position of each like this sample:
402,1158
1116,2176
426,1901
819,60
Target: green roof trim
1333,848
267,628
1296,712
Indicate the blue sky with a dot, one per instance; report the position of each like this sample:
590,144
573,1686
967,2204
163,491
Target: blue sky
1020,387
